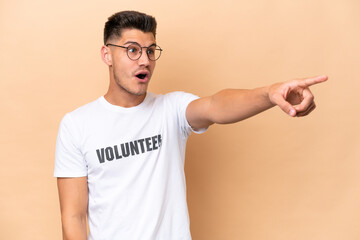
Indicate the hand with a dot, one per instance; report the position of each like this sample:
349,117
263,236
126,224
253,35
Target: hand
294,97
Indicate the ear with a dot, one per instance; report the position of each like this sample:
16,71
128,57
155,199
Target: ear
106,55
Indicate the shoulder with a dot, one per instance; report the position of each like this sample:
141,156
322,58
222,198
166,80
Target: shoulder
180,96
173,99
88,108
82,113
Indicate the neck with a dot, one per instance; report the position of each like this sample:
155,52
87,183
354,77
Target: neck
123,99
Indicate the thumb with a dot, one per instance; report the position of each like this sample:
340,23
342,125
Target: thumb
284,105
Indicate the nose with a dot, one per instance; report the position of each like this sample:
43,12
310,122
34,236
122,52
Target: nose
144,59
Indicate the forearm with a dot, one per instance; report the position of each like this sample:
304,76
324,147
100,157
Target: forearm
74,228
233,105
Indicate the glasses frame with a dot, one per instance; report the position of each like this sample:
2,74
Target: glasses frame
135,43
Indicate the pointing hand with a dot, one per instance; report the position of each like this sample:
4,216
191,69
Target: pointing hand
294,97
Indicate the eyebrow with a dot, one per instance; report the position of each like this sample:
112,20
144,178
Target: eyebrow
129,42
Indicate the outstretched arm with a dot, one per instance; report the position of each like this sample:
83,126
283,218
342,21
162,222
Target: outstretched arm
232,105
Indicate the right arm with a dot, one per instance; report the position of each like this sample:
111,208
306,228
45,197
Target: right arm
233,105
73,194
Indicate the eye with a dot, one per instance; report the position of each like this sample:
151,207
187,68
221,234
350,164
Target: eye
133,49
151,51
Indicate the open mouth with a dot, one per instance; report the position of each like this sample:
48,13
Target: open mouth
141,76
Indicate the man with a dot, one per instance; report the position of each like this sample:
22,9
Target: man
120,159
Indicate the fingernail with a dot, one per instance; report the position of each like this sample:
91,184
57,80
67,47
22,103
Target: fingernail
292,112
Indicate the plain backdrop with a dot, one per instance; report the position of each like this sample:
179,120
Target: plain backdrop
271,177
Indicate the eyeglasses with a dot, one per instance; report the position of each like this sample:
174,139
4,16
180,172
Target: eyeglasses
134,51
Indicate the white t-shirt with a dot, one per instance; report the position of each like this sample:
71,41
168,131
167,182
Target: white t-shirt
134,161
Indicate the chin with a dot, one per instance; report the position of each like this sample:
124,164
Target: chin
137,91
139,94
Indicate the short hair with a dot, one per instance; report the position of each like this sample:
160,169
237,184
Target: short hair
128,20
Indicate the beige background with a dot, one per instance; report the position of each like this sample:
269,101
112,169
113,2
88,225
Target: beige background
270,177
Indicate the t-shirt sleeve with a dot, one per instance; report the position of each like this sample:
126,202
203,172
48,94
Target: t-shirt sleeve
183,99
69,160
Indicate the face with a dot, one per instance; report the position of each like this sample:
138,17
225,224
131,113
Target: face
129,76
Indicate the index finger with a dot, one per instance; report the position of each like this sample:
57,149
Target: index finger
307,82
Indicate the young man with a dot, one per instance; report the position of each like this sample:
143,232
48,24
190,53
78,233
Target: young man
120,159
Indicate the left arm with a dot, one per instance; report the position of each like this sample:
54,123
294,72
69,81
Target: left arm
233,105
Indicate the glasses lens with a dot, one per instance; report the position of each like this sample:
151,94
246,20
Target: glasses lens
134,51
154,52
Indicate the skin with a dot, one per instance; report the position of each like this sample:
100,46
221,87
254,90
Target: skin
227,106
232,105
125,89
73,196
